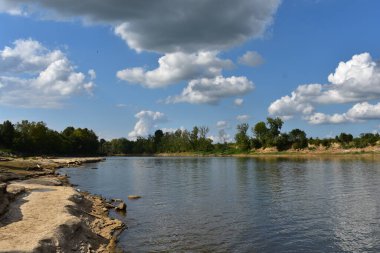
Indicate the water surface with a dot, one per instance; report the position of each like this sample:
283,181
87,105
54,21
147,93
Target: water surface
241,204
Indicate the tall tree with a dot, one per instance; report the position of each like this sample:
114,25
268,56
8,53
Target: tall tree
275,126
261,132
298,139
158,135
194,138
241,137
7,134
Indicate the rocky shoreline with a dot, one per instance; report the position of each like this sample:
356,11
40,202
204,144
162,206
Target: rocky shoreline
41,212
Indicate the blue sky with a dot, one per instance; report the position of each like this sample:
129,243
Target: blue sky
288,45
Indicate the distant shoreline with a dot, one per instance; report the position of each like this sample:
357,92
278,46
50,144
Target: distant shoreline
270,154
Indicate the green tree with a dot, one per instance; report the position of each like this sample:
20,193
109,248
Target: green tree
298,139
194,138
261,132
7,134
275,125
204,143
241,137
344,139
282,142
158,135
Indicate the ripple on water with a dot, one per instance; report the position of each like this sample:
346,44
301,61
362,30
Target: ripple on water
242,205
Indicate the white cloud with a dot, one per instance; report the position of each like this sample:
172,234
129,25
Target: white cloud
242,118
238,101
164,25
172,130
251,58
146,122
321,118
357,80
222,137
364,111
27,56
298,102
222,124
92,74
357,113
212,90
176,67
33,76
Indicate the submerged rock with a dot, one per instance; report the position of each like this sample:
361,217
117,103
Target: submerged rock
134,197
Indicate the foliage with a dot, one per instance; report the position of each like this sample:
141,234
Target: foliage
267,134
35,138
7,134
241,137
298,139
283,142
261,132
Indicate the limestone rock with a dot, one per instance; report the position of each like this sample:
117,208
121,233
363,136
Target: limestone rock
121,207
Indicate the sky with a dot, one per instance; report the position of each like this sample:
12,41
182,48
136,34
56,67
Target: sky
126,68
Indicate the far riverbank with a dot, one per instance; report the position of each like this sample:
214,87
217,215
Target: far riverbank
369,152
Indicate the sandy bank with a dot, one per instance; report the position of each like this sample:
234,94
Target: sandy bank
364,153
44,215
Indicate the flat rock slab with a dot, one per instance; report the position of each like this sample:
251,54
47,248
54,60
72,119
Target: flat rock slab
44,210
43,181
15,189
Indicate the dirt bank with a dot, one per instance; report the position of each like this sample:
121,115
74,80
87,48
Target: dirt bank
42,213
332,153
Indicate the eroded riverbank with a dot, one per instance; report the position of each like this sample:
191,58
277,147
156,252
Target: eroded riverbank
40,211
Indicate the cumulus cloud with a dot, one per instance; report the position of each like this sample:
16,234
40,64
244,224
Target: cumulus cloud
187,33
146,122
357,80
176,67
363,111
242,118
212,90
164,25
321,118
358,112
251,58
33,76
27,56
238,101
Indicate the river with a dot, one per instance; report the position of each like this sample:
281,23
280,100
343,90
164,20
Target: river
241,204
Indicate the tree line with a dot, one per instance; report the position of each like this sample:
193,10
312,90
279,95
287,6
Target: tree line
35,138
